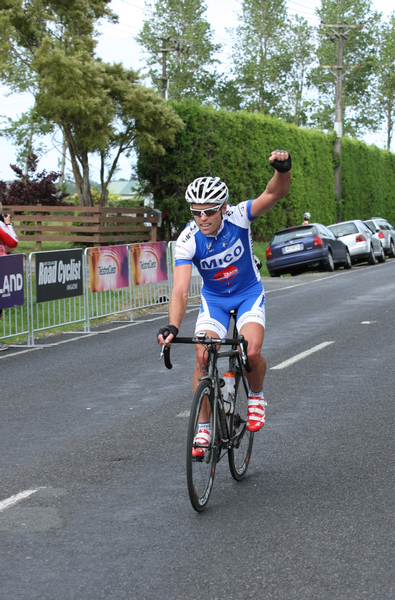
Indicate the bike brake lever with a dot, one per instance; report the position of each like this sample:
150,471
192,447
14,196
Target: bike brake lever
161,352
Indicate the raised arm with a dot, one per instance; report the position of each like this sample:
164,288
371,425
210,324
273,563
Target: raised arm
277,187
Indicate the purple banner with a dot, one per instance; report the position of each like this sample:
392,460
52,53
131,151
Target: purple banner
11,281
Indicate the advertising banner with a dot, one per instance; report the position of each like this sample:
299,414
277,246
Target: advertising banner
108,268
59,274
11,281
148,262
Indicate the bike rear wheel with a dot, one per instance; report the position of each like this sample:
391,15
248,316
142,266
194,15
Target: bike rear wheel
239,456
200,471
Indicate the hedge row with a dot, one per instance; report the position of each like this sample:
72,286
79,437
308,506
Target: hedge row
236,147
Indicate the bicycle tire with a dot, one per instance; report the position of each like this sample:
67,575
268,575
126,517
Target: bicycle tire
200,472
239,456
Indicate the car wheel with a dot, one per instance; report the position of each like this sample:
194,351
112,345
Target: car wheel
348,263
330,266
274,274
381,258
391,253
371,257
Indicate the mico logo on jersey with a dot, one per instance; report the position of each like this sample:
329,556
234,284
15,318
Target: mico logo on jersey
225,258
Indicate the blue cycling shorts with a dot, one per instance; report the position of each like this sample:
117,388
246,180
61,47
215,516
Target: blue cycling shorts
214,310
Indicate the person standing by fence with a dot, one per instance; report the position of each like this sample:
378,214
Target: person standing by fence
8,238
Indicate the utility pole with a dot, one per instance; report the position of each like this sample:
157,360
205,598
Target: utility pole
165,83
341,35
176,46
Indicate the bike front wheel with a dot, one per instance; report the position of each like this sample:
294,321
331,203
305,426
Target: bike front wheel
239,456
201,470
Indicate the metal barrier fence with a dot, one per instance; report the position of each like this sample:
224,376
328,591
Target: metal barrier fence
106,303
15,319
36,315
52,313
195,287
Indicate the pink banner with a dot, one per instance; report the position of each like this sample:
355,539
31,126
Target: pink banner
108,268
148,262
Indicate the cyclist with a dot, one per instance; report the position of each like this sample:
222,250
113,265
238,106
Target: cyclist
218,241
306,217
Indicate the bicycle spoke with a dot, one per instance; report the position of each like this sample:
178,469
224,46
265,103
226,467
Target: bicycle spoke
200,470
239,456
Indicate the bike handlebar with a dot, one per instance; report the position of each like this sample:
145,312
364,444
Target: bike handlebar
207,341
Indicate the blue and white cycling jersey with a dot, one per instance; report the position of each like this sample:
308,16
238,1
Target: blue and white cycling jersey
225,261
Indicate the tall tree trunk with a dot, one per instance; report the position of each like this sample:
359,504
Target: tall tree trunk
63,164
81,180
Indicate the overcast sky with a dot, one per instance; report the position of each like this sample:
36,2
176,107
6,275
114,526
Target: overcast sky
117,44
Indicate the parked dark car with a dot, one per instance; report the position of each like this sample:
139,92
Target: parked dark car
305,248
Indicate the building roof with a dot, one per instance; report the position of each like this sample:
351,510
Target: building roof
124,188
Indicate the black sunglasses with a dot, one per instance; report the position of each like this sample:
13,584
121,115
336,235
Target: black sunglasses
209,212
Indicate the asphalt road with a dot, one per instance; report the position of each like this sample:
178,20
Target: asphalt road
93,433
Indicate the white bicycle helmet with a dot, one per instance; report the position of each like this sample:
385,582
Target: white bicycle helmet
307,216
207,189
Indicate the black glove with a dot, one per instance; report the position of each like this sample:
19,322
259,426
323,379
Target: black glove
168,329
282,166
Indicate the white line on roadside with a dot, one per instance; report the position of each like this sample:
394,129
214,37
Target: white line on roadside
288,287
14,499
300,356
86,335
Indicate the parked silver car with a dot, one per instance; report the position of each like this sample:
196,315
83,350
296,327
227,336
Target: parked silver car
361,242
385,232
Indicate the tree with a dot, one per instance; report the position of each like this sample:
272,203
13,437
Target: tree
360,111
261,57
386,75
48,48
190,59
301,49
32,188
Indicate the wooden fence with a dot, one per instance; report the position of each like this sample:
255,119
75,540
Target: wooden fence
94,226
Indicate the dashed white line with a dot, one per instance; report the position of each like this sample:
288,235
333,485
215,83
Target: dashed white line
14,499
300,356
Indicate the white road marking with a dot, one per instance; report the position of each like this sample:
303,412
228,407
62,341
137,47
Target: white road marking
183,415
300,356
14,499
288,287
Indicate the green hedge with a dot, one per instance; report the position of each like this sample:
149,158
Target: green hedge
236,146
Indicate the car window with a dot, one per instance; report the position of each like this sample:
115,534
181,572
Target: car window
293,234
328,232
383,227
372,225
366,229
343,229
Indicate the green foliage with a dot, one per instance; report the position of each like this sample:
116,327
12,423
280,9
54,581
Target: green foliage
385,69
236,147
368,182
48,48
190,60
361,111
260,54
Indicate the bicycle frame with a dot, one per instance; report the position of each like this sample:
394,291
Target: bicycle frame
237,361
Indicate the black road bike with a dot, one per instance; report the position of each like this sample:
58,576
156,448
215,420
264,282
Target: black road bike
228,414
